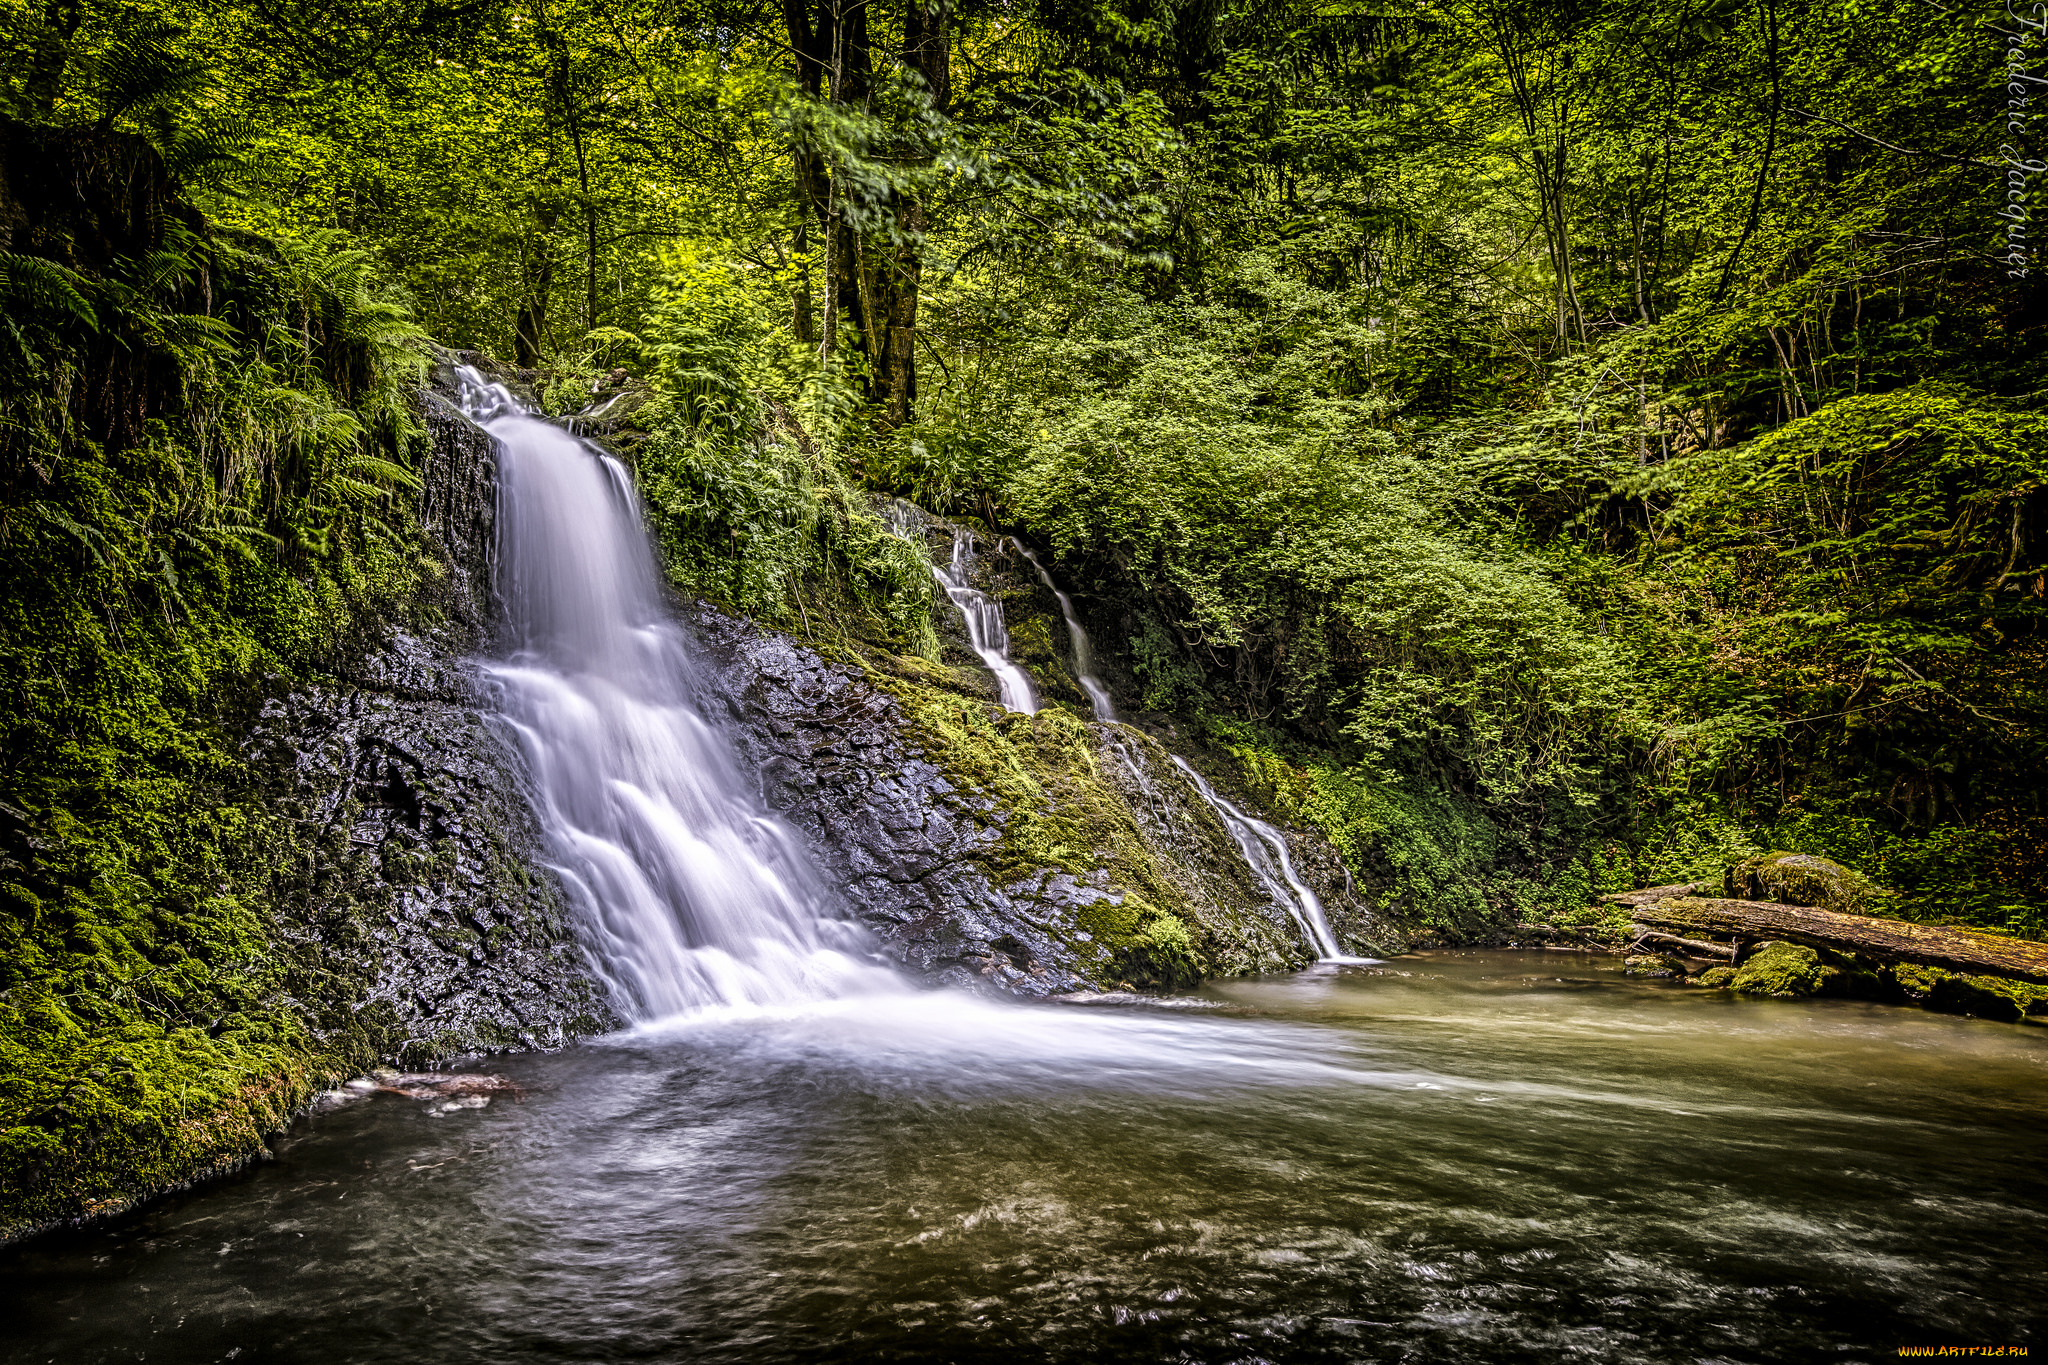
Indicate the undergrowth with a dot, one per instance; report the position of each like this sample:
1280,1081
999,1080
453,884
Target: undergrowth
206,450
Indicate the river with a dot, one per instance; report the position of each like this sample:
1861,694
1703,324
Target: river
1483,1156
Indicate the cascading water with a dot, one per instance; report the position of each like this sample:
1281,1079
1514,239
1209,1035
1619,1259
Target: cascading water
1084,657
691,894
985,630
1259,843
1263,846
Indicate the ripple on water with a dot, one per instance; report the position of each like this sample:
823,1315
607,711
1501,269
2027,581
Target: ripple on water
1465,1162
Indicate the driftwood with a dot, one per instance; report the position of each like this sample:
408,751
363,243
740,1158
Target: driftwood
1655,893
1957,950
1688,947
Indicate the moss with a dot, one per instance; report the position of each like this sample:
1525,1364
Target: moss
1037,644
1786,970
1804,879
1716,978
153,586
1982,997
1035,781
1146,945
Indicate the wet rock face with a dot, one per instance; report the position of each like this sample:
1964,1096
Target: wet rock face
424,909
1110,870
457,507
423,921
899,841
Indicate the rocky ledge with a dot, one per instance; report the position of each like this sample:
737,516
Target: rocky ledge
1030,855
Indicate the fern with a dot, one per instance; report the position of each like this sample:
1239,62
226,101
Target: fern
39,283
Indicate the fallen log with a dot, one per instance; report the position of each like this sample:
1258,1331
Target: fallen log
1689,947
1655,893
1957,950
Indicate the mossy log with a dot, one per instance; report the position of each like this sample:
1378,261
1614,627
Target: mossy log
1654,893
1956,950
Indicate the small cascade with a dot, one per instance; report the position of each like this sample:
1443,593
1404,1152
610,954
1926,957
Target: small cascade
1257,842
1262,846
986,633
690,893
1084,658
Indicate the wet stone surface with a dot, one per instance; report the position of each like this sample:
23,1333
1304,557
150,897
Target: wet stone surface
916,858
423,908
891,833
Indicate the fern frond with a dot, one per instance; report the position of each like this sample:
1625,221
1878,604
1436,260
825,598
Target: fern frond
33,280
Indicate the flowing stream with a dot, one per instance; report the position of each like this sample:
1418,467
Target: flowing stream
1482,1157
986,633
1467,1157
691,894
1263,848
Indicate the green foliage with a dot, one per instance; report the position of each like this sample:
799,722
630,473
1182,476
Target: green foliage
755,524
159,566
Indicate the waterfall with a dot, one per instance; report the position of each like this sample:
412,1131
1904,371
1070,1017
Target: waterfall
689,892
985,630
1084,658
1257,842
1261,845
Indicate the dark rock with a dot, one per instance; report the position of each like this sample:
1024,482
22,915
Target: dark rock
426,923
931,862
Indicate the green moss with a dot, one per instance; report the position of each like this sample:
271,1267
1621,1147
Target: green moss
1786,970
1983,997
1716,978
1035,781
1804,879
151,589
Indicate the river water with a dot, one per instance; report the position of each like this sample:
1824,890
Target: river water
1457,1157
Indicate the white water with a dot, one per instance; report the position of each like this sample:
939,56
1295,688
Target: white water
1263,848
1084,656
1261,845
691,893
985,630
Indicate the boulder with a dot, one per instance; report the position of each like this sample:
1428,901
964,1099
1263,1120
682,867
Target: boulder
1785,970
1803,879
1980,997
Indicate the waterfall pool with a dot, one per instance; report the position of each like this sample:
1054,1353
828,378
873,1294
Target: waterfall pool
1486,1156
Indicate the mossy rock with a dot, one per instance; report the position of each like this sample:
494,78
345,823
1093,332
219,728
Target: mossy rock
1804,879
1786,970
1716,978
1980,997
1653,964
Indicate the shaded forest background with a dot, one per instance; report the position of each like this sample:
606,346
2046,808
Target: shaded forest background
1553,446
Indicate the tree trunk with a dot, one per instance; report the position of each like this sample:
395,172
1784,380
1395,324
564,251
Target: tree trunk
1955,950
812,46
898,266
530,323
